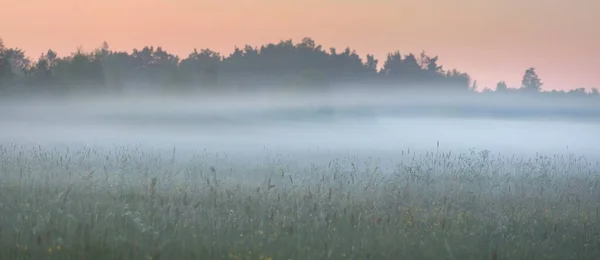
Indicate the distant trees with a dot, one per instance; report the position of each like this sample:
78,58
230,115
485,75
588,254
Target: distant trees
274,65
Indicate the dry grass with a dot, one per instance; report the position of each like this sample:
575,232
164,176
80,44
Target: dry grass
131,204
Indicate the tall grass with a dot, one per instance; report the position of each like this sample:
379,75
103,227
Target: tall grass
130,203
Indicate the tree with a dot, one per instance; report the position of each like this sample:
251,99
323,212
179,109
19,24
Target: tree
457,81
393,64
42,72
430,64
14,65
371,64
501,87
531,81
4,65
202,67
404,71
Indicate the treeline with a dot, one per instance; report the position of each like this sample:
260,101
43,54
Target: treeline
303,65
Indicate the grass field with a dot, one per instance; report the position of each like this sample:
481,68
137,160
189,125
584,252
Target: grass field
129,203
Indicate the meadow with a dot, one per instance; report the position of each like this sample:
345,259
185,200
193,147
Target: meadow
137,203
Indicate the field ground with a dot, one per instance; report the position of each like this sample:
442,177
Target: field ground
133,204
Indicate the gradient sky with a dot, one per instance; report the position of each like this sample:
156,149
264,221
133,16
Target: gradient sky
492,40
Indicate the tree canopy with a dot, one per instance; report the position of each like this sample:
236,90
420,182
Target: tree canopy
285,64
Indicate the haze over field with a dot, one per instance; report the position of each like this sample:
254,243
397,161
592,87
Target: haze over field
359,123
336,177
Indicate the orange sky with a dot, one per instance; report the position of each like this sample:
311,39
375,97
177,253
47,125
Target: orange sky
492,40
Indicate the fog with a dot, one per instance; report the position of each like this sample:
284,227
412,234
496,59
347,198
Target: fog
310,125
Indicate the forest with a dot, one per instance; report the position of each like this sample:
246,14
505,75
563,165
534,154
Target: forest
304,65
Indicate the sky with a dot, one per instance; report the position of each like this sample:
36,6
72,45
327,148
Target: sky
492,40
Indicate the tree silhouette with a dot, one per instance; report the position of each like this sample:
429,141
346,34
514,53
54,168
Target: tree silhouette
4,65
371,64
501,87
42,72
393,65
281,65
14,66
203,66
531,81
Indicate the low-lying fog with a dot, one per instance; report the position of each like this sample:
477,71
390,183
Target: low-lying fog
281,125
